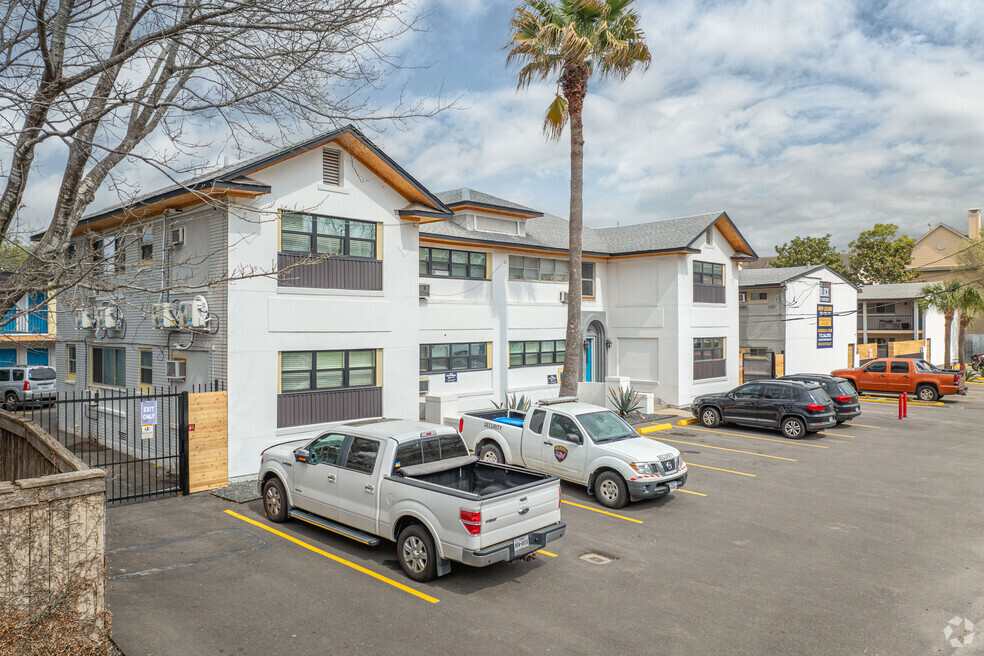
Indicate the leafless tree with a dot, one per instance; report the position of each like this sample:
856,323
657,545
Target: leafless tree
101,77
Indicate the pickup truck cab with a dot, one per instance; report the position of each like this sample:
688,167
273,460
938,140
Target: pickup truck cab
414,483
904,375
577,442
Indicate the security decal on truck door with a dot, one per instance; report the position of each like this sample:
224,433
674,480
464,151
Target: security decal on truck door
560,453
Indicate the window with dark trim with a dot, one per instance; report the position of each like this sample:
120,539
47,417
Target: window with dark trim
587,279
531,354
437,358
309,234
109,366
308,371
447,263
147,245
146,367
709,357
708,282
72,362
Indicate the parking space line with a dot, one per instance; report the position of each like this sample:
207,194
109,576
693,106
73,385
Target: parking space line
546,553
603,512
895,402
721,448
321,552
680,489
753,437
864,425
730,471
836,435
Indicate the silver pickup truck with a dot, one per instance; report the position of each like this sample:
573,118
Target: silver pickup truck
412,482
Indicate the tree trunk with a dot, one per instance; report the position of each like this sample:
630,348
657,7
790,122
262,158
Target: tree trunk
961,335
574,82
947,329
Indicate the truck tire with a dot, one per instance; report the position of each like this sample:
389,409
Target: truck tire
275,500
490,452
710,417
611,490
793,427
416,553
927,393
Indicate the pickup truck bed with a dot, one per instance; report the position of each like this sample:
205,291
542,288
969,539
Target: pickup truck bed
474,478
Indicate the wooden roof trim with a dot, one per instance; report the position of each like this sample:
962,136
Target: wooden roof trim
493,209
732,236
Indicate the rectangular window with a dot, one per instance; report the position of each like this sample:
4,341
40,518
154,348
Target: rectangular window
758,296
146,367
537,269
534,353
587,279
885,308
70,354
708,282
308,234
308,371
437,358
147,246
109,366
709,357
742,297
362,455
446,263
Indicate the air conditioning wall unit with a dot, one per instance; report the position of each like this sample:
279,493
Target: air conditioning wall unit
86,319
163,315
177,236
177,369
425,384
563,297
425,290
193,313
108,317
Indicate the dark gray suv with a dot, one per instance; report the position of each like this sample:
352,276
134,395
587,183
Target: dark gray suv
793,407
27,385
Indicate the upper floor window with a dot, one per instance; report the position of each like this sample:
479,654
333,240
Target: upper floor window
883,308
109,366
147,245
537,269
708,282
306,371
447,263
309,234
587,279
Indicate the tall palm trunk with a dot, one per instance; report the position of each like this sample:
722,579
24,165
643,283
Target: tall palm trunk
574,83
961,335
947,329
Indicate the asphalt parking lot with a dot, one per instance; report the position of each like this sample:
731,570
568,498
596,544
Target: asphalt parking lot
866,539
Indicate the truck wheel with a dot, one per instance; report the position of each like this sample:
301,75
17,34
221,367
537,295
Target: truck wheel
275,500
927,393
490,452
793,427
710,417
416,553
10,402
611,490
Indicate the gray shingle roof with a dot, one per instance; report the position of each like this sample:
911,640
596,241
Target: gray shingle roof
773,275
465,195
902,291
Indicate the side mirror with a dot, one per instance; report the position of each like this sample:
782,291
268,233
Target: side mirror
574,437
301,455
730,395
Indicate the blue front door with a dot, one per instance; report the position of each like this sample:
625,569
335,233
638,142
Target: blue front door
37,356
587,360
8,357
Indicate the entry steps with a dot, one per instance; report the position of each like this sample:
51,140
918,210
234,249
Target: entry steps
334,527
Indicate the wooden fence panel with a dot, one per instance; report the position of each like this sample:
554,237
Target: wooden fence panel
780,365
208,443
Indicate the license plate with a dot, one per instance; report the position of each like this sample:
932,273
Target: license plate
672,485
521,543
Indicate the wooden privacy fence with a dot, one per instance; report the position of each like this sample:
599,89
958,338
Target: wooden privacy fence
52,531
909,348
208,441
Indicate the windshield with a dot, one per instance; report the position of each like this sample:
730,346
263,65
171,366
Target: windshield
606,426
41,373
845,388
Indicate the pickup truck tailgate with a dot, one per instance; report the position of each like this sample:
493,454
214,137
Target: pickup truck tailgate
519,513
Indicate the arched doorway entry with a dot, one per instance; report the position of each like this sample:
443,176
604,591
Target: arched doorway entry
595,353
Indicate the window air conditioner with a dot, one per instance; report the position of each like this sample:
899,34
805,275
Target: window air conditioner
177,236
176,369
563,297
424,384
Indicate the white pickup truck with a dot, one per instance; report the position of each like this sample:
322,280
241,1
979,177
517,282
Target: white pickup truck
414,483
578,442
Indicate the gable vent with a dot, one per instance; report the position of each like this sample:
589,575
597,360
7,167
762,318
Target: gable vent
331,167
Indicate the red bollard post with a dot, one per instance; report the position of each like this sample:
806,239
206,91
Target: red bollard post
900,405
905,405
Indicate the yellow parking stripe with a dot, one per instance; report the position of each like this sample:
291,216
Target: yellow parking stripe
836,435
694,464
721,448
321,552
680,489
603,512
864,425
752,437
546,553
895,401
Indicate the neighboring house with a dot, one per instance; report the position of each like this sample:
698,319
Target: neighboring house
805,313
935,254
27,331
891,313
341,331
659,304
765,262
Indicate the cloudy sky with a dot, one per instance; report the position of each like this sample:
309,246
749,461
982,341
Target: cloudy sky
797,118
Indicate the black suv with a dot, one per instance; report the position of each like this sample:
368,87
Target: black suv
793,407
840,391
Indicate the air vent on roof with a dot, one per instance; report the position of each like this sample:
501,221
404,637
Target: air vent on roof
708,239
331,167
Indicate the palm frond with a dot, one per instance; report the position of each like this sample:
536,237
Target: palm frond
556,118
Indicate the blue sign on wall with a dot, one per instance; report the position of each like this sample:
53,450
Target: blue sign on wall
451,377
551,379
825,325
825,292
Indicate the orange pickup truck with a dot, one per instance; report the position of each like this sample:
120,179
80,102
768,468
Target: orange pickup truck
904,375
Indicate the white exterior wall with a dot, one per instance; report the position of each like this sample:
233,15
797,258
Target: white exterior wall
801,352
265,319
934,328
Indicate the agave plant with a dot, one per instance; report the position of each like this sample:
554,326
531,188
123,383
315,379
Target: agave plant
625,400
512,403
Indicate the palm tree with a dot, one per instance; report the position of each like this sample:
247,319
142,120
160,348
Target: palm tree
569,40
970,301
942,296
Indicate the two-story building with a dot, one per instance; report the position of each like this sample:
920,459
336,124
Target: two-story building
322,281
891,313
27,331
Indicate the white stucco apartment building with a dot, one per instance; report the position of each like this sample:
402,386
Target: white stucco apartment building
347,328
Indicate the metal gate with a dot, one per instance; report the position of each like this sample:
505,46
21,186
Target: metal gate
140,439
758,367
